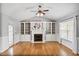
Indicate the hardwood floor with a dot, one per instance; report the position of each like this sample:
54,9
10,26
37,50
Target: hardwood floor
38,49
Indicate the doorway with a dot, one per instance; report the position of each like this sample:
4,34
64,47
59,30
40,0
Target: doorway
10,28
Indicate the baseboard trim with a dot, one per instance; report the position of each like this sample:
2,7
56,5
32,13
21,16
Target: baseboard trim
51,42
25,41
4,39
9,47
69,48
75,52
14,44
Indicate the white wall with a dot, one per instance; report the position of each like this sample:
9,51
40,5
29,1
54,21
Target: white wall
46,37
71,44
16,31
57,31
77,31
6,20
67,43
25,37
41,30
0,28
51,37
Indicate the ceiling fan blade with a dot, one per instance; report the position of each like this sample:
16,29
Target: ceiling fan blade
45,10
43,13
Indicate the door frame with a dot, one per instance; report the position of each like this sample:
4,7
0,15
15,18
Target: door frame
12,35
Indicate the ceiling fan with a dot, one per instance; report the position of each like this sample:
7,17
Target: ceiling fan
40,11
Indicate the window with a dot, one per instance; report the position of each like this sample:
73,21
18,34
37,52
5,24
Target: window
53,28
48,28
70,30
22,28
63,30
67,30
25,28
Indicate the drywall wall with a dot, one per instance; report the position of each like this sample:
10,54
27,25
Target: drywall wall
67,43
42,30
16,31
77,30
0,27
6,21
0,20
71,44
57,31
26,37
50,37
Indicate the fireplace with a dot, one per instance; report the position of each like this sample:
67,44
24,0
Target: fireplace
37,37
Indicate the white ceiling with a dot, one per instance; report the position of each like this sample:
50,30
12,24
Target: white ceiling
21,11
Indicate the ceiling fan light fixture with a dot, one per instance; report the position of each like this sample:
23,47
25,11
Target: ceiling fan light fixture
39,14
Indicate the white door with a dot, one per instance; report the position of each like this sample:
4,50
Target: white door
10,35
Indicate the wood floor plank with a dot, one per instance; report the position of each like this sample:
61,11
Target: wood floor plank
38,49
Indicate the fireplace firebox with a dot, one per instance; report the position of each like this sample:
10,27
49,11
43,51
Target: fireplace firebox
37,37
